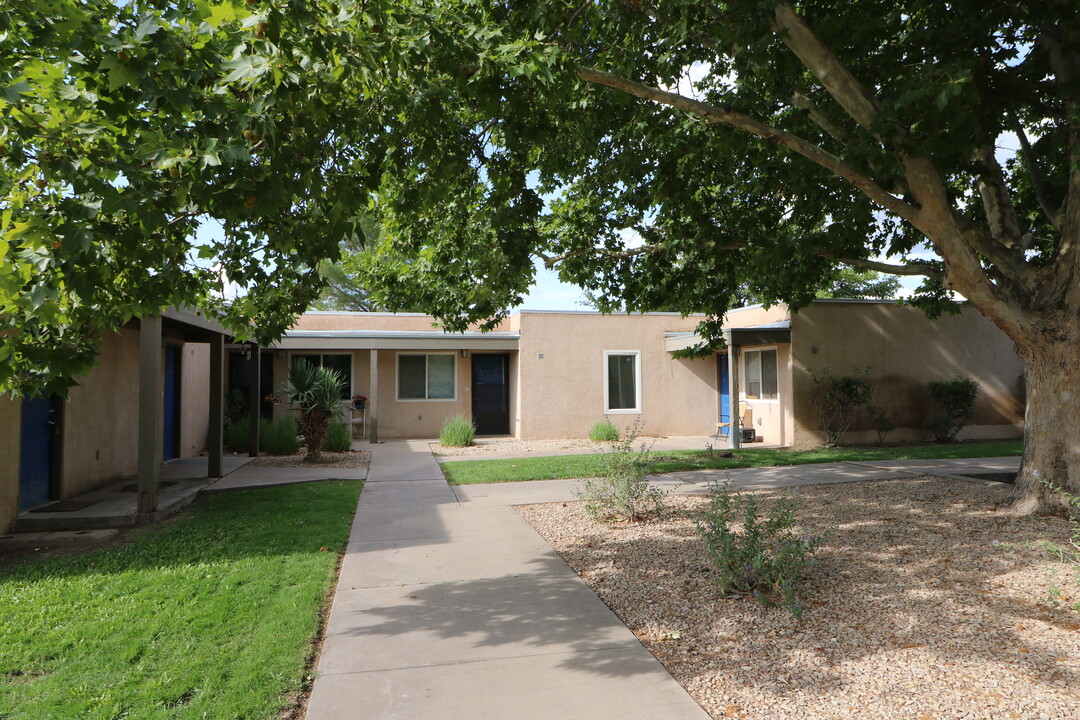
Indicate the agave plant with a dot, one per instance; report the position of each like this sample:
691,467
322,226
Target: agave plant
316,391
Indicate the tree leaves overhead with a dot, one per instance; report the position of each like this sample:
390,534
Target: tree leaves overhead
483,135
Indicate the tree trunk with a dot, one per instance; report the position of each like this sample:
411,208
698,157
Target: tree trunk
1052,424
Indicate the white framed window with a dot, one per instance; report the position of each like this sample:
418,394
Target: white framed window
342,362
622,382
760,378
423,377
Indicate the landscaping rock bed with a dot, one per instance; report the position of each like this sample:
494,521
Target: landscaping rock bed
346,460
926,602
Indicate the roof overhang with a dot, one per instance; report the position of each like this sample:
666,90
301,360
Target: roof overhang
772,334
396,340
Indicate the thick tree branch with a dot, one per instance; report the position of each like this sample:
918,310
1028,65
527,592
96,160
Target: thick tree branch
552,260
1038,182
924,269
713,114
997,204
827,68
803,102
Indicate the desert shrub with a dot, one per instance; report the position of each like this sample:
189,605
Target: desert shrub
883,424
766,559
837,399
457,431
236,436
604,431
623,492
279,437
338,437
951,405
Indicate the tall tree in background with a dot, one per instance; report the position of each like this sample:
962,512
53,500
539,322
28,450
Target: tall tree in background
745,143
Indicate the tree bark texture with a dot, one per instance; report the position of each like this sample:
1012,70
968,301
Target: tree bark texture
1051,425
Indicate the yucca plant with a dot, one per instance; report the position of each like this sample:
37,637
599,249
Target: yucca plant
316,391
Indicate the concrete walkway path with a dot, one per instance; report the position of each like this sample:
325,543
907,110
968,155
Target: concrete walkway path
450,606
459,610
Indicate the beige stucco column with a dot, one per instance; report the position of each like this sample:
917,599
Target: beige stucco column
215,445
733,391
254,400
373,399
151,413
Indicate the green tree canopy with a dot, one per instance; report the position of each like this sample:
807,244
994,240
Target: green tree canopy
689,149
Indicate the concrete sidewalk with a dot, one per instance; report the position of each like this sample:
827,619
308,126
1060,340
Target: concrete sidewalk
450,606
459,610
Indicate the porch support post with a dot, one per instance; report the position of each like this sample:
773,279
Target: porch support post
216,447
254,400
151,412
733,381
373,399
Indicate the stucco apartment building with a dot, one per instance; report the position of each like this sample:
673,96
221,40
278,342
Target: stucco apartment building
158,389
544,375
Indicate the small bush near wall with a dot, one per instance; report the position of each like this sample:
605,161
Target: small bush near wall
837,399
338,437
604,431
279,437
236,436
952,403
457,431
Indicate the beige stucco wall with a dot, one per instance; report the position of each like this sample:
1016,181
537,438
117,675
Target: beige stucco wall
903,351
10,422
101,418
194,398
756,315
562,394
373,321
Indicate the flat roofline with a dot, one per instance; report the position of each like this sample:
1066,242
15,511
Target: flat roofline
419,334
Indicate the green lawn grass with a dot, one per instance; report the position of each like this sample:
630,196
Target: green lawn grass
471,472
212,615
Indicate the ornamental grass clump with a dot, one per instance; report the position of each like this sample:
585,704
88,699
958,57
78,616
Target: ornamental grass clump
766,559
457,431
279,437
604,431
338,437
623,492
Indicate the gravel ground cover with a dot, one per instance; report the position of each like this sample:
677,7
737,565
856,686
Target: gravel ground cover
346,460
925,603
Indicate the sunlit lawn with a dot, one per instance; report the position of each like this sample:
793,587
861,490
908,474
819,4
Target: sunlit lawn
469,472
212,615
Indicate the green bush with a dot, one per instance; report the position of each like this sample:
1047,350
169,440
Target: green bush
766,560
457,431
236,436
837,398
952,404
338,437
279,437
604,431
622,492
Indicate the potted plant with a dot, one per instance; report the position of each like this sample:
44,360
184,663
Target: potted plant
359,401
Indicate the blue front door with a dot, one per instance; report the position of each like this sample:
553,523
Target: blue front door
172,406
725,389
35,452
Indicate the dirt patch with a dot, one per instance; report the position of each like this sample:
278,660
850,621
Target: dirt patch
346,460
926,602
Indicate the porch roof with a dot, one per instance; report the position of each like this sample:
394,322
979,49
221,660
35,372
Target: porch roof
396,340
778,332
